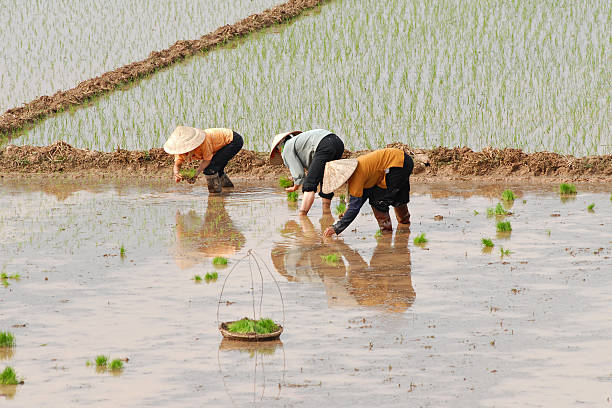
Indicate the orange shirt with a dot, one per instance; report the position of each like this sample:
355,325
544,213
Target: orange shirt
371,168
215,139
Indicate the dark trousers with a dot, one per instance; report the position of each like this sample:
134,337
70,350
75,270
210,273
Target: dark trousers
330,148
398,187
224,155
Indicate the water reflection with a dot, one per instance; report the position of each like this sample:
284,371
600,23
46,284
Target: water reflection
199,238
8,391
349,281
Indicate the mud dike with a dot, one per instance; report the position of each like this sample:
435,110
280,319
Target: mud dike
436,164
16,118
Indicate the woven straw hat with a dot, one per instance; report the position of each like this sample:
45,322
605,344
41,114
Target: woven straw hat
184,139
337,172
276,158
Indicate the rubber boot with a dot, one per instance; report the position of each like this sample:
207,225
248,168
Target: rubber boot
402,214
326,206
384,220
225,181
214,183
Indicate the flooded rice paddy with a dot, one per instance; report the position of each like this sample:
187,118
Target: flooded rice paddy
532,75
390,323
57,44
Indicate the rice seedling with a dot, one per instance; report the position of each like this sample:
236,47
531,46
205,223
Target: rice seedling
591,207
499,210
219,260
476,212
504,226
292,196
284,182
122,251
487,242
504,252
331,258
340,208
9,377
567,188
197,278
343,198
211,276
115,365
508,195
188,174
378,234
420,239
7,339
246,325
101,361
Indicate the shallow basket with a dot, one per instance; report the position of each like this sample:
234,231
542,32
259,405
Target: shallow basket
249,336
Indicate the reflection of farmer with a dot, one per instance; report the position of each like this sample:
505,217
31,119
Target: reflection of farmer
214,147
215,235
308,150
386,281
382,177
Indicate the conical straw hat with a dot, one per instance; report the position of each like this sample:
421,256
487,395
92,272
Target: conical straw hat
184,139
337,172
276,158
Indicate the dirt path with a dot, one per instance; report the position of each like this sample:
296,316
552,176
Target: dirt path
16,118
436,165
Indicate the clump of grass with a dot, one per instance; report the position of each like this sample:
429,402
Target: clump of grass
292,196
246,325
219,260
284,182
420,239
504,226
499,210
115,365
122,251
591,206
331,258
187,173
197,278
101,361
9,377
211,276
508,195
567,188
7,339
340,208
487,242
504,252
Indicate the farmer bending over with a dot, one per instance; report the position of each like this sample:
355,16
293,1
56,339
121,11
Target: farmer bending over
307,150
382,177
214,147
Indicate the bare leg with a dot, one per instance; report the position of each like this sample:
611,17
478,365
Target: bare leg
326,206
307,200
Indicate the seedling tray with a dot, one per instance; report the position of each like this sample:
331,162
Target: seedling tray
249,336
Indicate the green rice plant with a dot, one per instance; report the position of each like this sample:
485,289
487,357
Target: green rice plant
508,195
504,252
211,276
567,188
115,365
188,173
197,278
284,182
101,361
292,196
7,339
330,258
122,251
487,242
343,198
499,210
219,260
490,212
246,325
341,208
5,283
420,239
9,377
476,212
504,226
591,207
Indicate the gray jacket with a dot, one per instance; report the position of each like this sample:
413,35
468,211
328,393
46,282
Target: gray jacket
299,150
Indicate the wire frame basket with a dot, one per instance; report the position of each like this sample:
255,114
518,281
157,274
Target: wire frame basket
255,264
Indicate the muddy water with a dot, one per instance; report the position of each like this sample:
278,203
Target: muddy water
390,322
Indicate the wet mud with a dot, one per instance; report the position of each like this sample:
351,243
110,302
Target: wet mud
62,160
389,322
16,118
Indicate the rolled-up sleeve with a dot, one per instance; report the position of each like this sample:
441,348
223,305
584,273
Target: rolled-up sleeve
293,162
354,205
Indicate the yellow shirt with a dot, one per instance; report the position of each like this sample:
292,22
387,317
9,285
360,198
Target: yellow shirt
215,139
371,168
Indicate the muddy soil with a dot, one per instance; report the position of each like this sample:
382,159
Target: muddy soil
390,323
63,160
16,118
